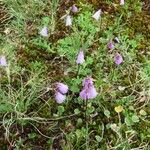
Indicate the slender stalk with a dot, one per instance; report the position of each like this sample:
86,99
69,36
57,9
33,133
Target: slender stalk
86,120
119,119
78,70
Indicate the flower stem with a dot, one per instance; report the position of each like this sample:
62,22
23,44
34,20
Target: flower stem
86,120
78,70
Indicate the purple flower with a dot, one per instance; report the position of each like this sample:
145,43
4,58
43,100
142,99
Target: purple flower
88,91
87,81
74,9
118,59
80,58
44,31
110,45
62,88
121,2
3,61
60,98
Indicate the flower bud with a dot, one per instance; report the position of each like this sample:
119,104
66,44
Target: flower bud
80,58
3,61
74,9
118,59
97,14
44,31
68,20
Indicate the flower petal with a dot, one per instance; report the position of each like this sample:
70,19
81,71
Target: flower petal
62,88
60,98
97,14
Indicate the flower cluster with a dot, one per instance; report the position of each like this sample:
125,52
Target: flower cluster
118,59
61,90
88,91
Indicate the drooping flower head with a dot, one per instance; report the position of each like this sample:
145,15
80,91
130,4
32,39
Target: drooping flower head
44,31
118,59
68,20
74,8
80,58
62,88
97,14
116,40
122,2
88,91
110,45
60,98
3,61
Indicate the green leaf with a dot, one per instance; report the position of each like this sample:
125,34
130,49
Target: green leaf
5,107
98,138
61,109
79,121
76,111
135,118
128,121
143,112
107,113
45,21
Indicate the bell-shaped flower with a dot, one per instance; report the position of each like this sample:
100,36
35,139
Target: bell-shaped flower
122,2
74,8
110,45
62,88
68,20
3,61
97,14
118,59
44,31
80,58
60,98
88,93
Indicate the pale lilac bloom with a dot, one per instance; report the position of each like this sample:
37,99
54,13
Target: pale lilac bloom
74,9
60,98
80,58
118,59
62,88
121,2
87,81
88,93
110,45
3,61
92,92
68,20
44,31
97,14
